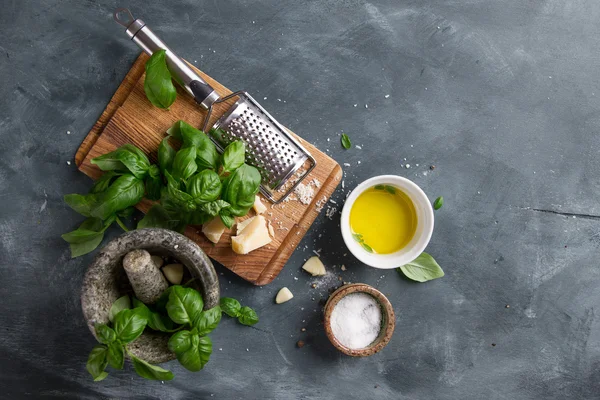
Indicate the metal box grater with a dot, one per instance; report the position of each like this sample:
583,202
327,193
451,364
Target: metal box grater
270,147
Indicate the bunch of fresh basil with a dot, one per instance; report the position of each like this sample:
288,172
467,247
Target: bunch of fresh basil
193,186
200,183
179,311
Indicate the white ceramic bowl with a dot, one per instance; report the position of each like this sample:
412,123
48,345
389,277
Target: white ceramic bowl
422,234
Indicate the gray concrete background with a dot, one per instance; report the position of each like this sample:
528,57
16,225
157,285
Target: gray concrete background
499,95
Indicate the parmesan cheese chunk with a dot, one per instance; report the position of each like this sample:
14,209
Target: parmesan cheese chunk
314,266
283,295
254,235
214,229
241,225
259,207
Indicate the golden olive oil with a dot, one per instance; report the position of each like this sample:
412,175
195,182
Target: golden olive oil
383,219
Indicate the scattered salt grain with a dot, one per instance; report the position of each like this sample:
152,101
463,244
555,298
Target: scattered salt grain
407,165
358,147
356,320
68,132
366,106
356,105
264,98
68,162
176,246
358,162
387,96
343,184
343,267
332,201
346,164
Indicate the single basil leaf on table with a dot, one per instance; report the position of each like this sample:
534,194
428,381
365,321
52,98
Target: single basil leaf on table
154,320
157,217
97,362
81,203
205,186
126,158
125,191
149,371
158,85
438,203
184,164
184,305
122,303
129,325
103,182
234,155
226,217
214,208
239,189
230,306
180,342
116,356
154,183
197,355
247,316
207,320
105,333
422,269
166,155
346,143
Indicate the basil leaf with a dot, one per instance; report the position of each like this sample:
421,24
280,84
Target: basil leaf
157,217
346,143
230,306
155,321
205,186
103,182
89,229
196,357
87,237
122,303
184,164
105,333
129,325
390,189
379,187
422,269
158,85
126,213
207,155
115,356
180,342
214,207
234,155
149,371
367,248
199,217
438,203
226,218
83,204
97,362
207,320
182,200
184,305
239,189
247,316
126,158
166,155
124,192
154,183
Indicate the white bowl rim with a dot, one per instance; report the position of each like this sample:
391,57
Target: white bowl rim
415,247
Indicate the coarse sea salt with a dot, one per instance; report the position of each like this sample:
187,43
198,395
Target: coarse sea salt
356,320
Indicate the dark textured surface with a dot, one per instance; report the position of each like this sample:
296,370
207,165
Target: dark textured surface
498,95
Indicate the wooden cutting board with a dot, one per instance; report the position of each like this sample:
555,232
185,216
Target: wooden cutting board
130,118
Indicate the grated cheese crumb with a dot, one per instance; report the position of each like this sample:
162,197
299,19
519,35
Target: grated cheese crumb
346,164
305,193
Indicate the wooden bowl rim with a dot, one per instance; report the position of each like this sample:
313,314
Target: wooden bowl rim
385,334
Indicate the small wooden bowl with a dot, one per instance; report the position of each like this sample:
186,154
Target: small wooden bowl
388,322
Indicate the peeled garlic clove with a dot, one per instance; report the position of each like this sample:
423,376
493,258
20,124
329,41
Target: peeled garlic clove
314,266
158,261
283,295
173,273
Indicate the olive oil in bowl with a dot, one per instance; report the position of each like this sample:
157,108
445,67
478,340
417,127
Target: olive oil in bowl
383,219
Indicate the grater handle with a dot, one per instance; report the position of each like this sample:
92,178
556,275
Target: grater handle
143,36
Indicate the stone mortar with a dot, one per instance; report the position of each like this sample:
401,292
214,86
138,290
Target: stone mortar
102,283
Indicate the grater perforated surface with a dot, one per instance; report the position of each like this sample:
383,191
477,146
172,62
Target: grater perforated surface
269,146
